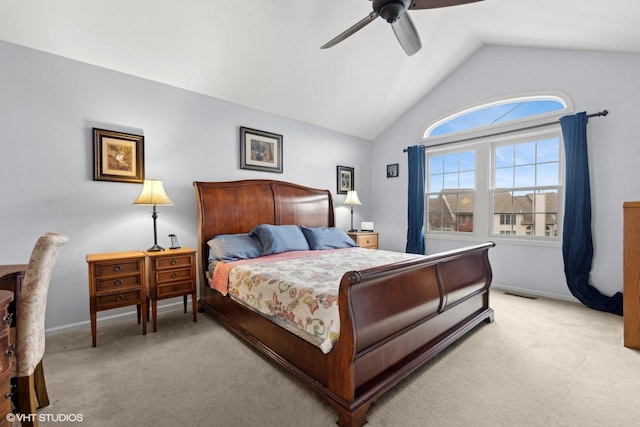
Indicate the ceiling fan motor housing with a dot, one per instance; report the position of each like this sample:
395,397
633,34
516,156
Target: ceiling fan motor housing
390,10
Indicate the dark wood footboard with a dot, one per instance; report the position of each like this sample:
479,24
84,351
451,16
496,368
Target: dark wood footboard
393,318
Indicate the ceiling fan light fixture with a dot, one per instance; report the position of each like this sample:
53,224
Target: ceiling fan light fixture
390,11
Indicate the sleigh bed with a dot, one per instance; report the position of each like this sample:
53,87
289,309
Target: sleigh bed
392,318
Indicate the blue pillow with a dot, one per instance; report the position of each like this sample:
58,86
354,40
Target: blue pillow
280,238
327,238
232,247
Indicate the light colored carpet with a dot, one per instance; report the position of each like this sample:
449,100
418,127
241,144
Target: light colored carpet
540,363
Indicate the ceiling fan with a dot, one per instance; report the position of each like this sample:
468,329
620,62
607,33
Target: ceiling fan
394,12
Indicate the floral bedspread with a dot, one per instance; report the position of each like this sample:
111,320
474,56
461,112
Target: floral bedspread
301,288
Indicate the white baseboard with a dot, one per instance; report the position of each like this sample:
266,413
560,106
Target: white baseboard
534,293
112,318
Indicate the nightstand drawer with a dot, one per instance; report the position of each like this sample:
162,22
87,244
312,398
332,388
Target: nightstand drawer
368,241
173,275
118,268
117,300
173,262
177,288
114,284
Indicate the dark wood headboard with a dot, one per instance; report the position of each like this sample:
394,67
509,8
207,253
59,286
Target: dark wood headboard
237,206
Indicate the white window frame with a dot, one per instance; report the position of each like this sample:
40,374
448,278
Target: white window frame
482,141
516,137
443,152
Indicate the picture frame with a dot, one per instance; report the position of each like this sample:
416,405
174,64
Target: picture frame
260,150
118,156
393,170
345,179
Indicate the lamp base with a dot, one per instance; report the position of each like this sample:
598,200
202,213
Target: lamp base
155,248
352,231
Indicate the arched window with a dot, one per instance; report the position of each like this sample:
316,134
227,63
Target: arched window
504,156
490,114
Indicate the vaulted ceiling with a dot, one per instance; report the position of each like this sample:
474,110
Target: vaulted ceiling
266,54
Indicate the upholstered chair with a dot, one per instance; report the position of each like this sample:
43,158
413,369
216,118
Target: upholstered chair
28,335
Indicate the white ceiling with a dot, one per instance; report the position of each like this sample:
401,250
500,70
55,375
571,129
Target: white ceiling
266,54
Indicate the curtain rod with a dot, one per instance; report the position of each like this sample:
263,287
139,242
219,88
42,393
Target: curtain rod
602,113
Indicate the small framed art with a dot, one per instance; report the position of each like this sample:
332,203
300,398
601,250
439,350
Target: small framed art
392,170
118,156
345,179
260,150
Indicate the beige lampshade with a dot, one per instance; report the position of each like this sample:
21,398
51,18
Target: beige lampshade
352,198
153,194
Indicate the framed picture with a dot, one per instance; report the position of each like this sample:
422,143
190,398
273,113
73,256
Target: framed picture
118,156
392,170
345,179
260,151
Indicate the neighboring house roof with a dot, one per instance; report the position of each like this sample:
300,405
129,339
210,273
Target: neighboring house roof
448,204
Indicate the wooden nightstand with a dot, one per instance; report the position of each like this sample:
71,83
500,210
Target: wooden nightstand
117,280
365,239
172,273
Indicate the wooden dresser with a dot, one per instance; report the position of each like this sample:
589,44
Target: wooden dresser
631,263
365,239
117,280
6,349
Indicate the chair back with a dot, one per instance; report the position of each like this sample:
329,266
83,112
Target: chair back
32,303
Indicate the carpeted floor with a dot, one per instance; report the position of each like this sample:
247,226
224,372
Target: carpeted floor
540,363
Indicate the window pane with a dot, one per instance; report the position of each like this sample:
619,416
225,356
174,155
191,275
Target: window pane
504,178
548,150
467,161
467,179
487,115
525,176
451,163
434,208
525,153
435,183
435,164
449,208
450,181
548,174
504,156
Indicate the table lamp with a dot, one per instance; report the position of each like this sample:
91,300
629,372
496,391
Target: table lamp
352,200
153,194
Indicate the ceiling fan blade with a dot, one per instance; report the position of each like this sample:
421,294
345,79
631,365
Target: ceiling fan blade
406,34
434,4
357,27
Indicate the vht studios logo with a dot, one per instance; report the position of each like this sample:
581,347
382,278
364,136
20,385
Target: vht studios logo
43,418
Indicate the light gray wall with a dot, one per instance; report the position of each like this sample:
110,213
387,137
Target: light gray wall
594,81
48,106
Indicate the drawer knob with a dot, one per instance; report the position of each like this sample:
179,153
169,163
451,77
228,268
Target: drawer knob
119,298
7,319
175,288
10,350
174,274
118,282
174,261
118,267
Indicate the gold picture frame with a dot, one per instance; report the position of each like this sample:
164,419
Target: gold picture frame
260,150
118,156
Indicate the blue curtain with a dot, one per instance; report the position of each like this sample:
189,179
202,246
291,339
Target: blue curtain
415,238
577,244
